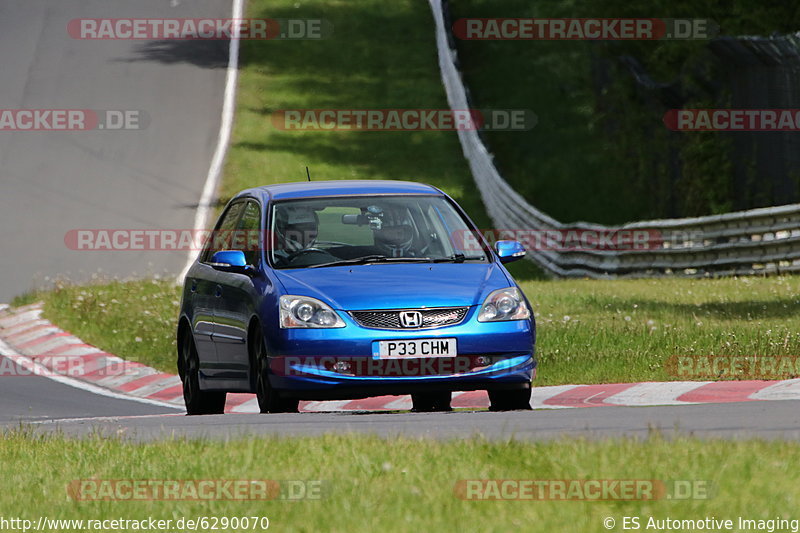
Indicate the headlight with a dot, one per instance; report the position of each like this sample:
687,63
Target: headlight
504,304
305,312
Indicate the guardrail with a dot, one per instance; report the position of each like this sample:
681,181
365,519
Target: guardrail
764,240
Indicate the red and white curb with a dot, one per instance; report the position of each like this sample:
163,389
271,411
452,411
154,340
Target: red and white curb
32,345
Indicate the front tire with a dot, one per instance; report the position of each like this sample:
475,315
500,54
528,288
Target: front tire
510,400
198,402
429,402
269,401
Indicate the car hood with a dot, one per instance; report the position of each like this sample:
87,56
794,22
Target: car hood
396,286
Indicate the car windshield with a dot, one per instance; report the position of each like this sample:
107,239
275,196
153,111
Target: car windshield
349,230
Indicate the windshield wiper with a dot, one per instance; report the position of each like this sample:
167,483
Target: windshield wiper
373,259
458,258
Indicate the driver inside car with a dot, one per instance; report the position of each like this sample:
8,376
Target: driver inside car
394,235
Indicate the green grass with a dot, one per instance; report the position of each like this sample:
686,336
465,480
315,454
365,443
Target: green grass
135,320
588,331
624,331
402,484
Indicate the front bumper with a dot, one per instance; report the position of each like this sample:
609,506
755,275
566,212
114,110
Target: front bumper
317,383
319,364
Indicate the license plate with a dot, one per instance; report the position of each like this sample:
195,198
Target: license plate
400,349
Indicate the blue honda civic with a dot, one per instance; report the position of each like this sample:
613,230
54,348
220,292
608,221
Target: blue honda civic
351,289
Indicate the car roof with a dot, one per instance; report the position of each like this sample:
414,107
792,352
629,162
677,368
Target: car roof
312,189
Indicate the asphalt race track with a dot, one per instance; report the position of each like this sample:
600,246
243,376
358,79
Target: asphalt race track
52,182
768,420
30,398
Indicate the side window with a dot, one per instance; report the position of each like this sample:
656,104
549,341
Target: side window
221,236
249,235
443,238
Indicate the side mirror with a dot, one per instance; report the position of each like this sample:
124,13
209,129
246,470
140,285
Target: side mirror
231,261
509,251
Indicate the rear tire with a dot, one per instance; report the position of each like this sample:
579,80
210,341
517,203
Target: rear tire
198,402
510,400
269,401
429,402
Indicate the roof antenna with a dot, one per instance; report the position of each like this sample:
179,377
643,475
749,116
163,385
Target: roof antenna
308,174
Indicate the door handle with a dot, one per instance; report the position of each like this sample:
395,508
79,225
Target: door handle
194,286
218,291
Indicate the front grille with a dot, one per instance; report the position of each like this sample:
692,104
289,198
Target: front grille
390,318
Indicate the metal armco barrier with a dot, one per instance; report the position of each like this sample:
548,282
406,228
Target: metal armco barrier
764,240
